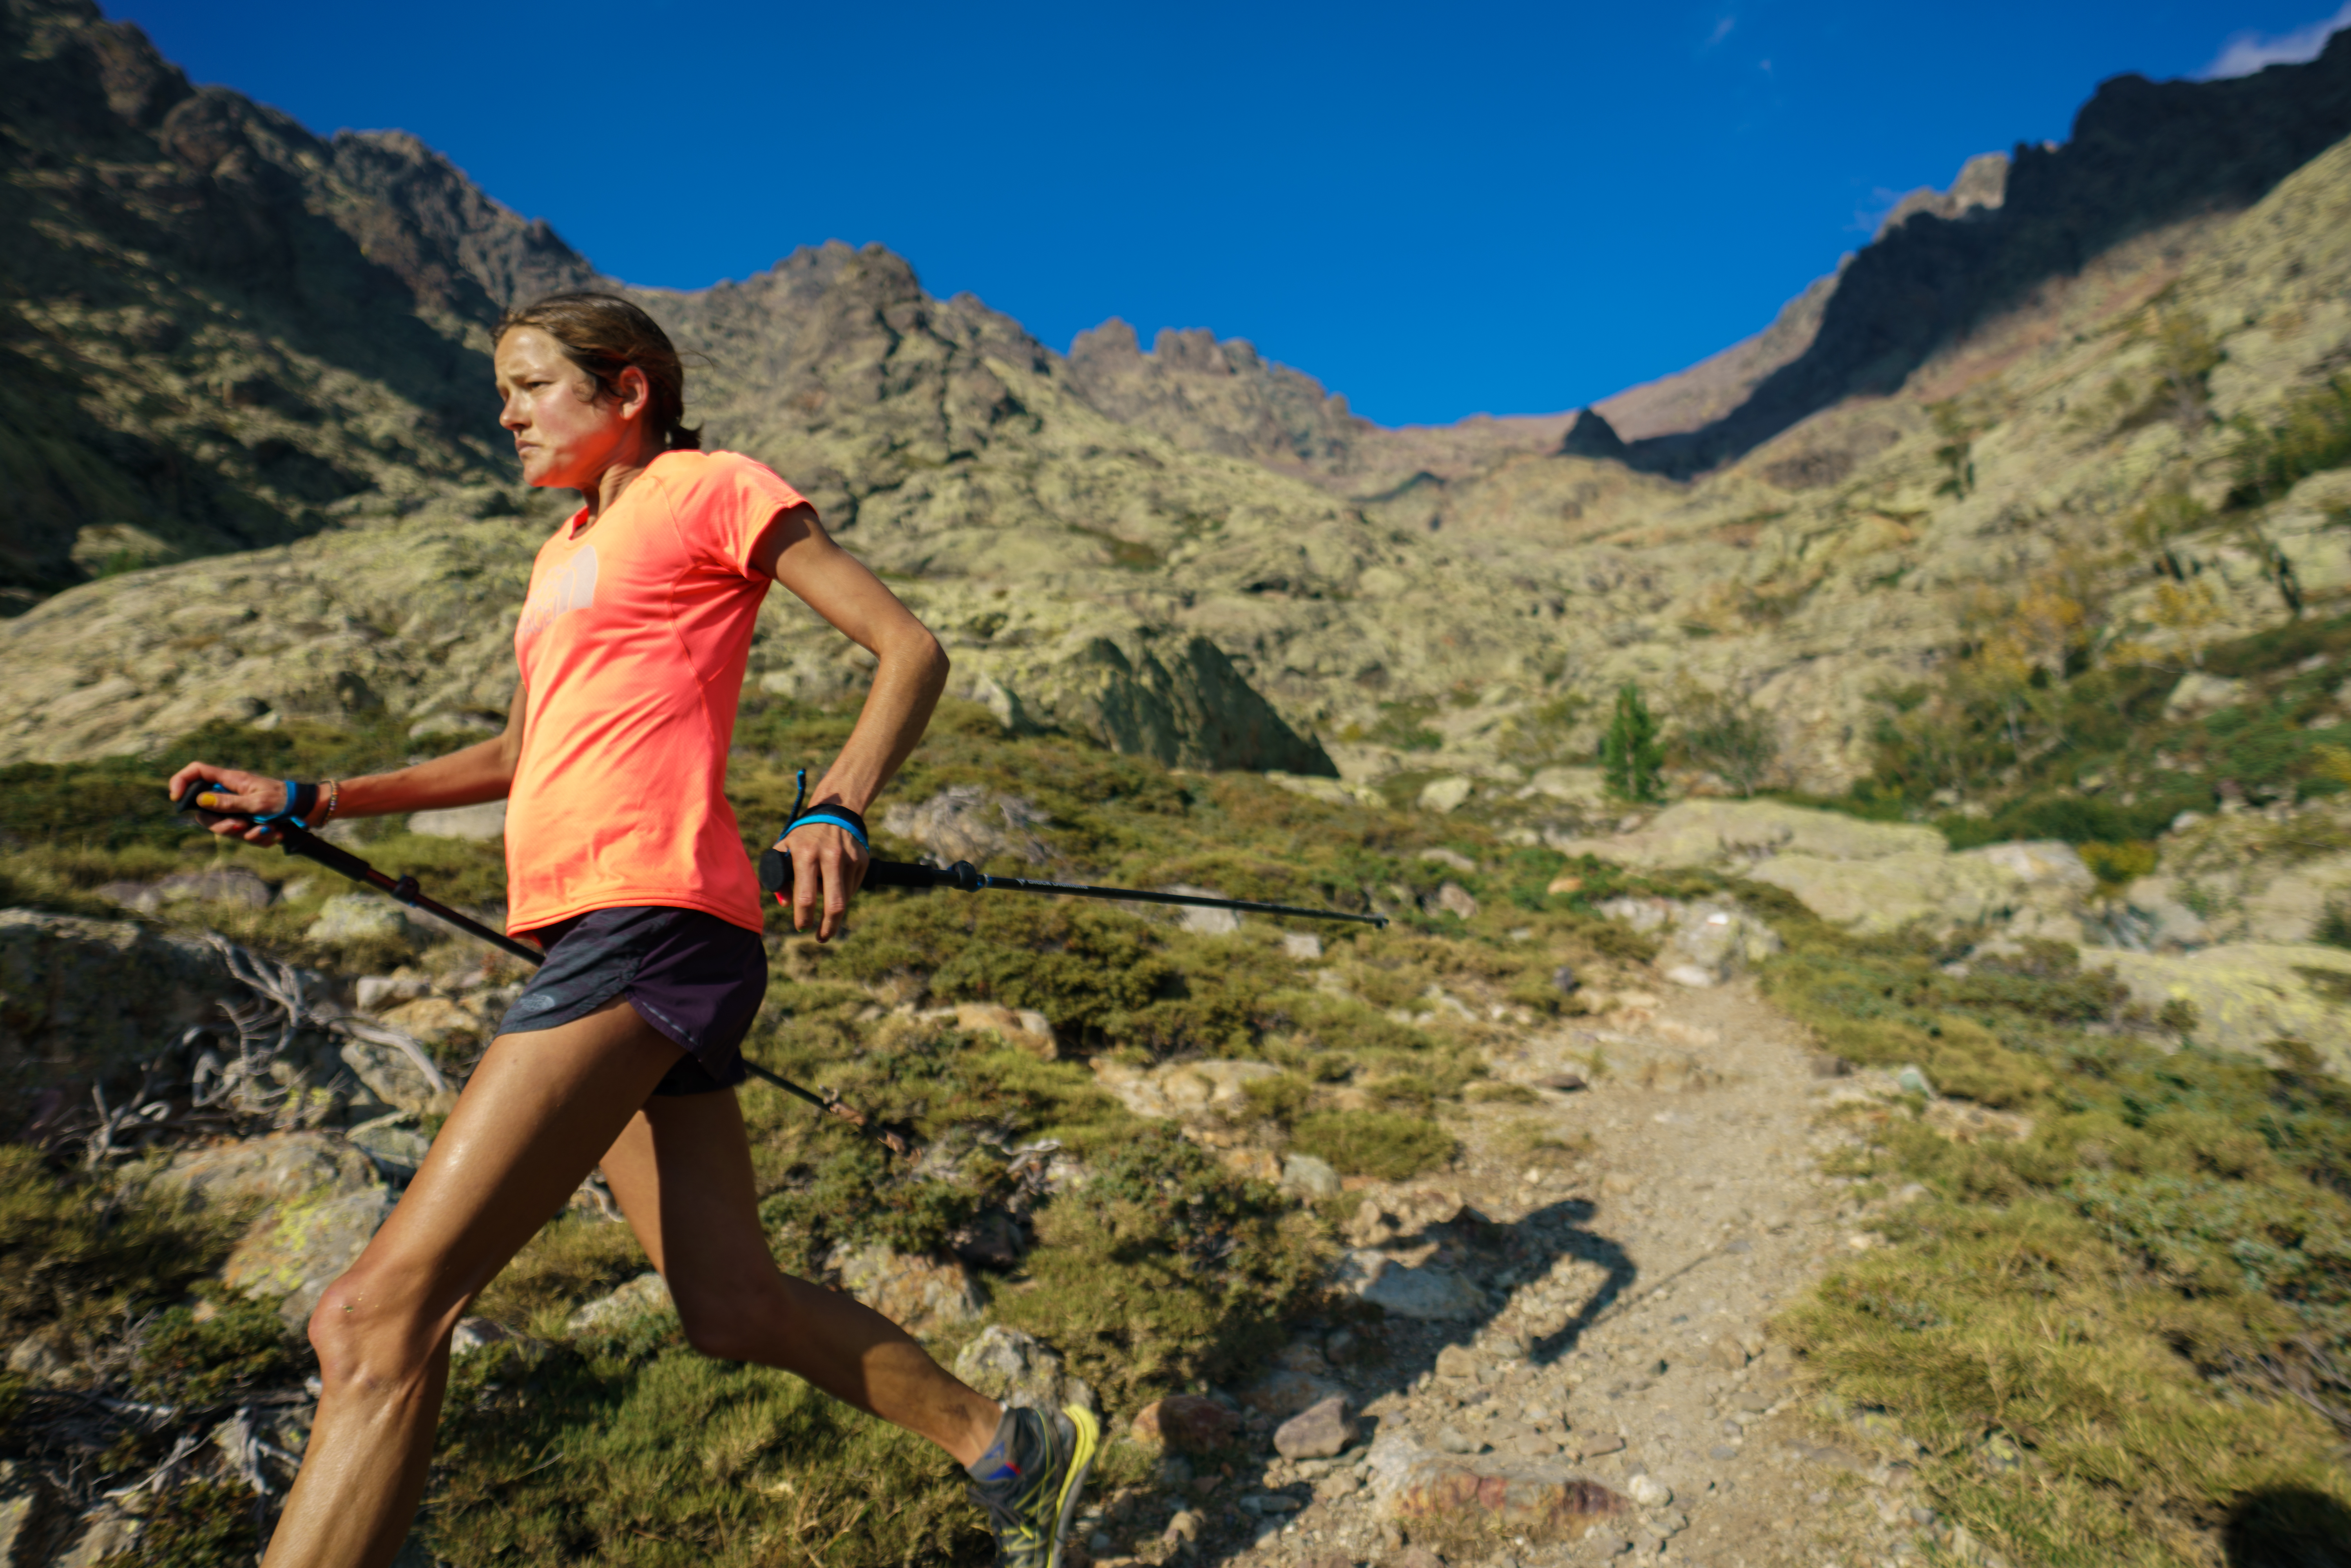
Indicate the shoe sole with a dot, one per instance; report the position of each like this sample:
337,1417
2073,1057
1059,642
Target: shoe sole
1074,1486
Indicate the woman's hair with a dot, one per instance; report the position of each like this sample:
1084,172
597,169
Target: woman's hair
603,334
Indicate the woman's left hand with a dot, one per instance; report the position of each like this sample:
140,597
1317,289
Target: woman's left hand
827,866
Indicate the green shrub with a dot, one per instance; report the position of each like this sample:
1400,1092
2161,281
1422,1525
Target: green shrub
77,1251
184,1359
1381,1144
2313,433
1630,755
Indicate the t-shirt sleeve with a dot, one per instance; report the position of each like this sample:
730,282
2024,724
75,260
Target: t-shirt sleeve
729,506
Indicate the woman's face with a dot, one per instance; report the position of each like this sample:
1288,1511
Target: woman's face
565,435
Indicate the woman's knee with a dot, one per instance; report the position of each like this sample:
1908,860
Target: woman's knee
366,1330
734,1323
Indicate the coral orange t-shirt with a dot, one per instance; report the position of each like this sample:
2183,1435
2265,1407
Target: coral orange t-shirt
632,645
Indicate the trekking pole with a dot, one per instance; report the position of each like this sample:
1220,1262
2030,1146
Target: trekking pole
298,841
775,876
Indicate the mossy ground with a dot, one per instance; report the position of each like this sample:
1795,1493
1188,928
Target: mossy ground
2096,1328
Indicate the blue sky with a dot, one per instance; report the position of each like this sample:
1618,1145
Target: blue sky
1437,211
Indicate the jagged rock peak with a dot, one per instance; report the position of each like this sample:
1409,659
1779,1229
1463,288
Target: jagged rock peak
1982,186
1591,436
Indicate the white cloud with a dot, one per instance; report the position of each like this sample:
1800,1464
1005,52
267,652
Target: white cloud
2246,53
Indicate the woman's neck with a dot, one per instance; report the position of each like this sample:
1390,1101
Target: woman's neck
615,479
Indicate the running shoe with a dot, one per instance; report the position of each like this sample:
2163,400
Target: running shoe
1032,1497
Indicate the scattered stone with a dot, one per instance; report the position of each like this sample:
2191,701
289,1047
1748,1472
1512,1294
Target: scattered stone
641,1297
966,822
1318,1432
1199,922
373,993
1017,1368
1566,883
1430,1293
388,1073
398,1152
920,1294
478,1333
1453,858
1650,1492
1561,1083
1308,1177
349,917
1712,942
1186,1423
1446,796
1593,1445
1183,1528
434,1020
1453,1441
1286,1391
1025,1028
237,886
37,1360
1910,1080
1456,901
991,1239
1303,945
2198,692
1564,981
479,823
1488,1492
1183,1090
1456,1361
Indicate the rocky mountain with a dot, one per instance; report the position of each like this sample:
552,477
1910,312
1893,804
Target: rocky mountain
218,327
1192,552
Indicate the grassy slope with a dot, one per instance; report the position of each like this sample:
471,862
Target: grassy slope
2093,1328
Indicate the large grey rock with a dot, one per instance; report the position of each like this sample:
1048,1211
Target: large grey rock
1017,1368
319,1199
238,887
1713,941
2200,692
1890,892
966,822
2248,994
84,999
1184,1090
1428,1292
1318,1432
920,1294
349,917
487,820
641,1297
1732,836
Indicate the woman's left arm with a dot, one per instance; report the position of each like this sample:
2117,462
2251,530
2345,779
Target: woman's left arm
913,671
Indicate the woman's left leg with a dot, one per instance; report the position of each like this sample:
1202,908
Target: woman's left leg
682,1172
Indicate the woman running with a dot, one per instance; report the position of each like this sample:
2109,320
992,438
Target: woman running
624,863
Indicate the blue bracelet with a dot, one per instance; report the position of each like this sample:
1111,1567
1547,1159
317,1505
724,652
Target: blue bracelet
293,811
824,814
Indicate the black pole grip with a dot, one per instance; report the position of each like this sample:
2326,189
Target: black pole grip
775,873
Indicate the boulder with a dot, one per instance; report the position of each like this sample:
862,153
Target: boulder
1487,1493
319,1201
1018,1369
1731,836
641,1297
1428,1292
1186,1423
1713,941
1308,1177
1891,892
397,1150
435,1020
235,885
1446,796
388,1071
83,1000
349,917
480,823
1456,900
1199,922
920,1294
966,822
1303,945
2198,692
2248,994
1183,1090
1318,1432
1025,1029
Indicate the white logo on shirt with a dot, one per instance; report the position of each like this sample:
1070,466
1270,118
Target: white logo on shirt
560,592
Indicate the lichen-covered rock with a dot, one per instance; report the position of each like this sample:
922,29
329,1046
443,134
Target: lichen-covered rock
319,1201
966,822
920,1294
348,917
1891,892
2248,994
1017,1368
1025,1029
1713,941
82,1000
1732,836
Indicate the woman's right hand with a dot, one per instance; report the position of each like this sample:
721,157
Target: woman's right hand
231,789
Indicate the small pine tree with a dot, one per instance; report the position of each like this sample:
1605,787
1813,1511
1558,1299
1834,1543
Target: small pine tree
1630,755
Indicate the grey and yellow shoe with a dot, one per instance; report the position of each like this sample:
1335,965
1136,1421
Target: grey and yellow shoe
1030,1479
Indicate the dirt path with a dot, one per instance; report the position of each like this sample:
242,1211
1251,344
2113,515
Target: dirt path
1630,1270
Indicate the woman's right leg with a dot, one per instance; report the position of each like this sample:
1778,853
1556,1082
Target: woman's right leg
538,1114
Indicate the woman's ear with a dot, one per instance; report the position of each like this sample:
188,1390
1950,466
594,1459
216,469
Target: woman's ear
634,391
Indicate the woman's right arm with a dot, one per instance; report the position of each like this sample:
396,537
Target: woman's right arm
484,771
